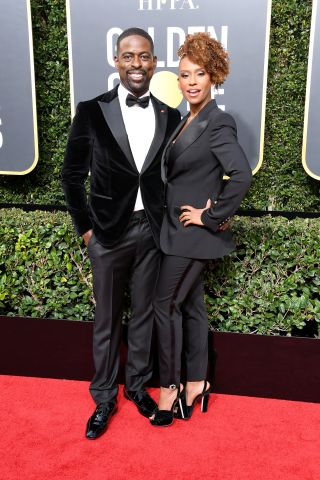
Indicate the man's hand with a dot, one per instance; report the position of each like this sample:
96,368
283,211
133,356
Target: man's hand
192,216
86,236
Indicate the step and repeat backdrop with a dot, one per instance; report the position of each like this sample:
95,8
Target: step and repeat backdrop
93,34
93,28
18,119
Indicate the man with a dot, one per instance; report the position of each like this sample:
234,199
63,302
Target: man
119,137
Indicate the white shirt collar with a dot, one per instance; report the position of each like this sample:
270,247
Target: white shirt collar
123,92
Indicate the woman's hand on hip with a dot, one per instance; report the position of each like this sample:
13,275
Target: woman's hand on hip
191,215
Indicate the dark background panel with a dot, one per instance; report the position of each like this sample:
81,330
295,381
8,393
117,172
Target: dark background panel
253,365
94,32
18,152
312,152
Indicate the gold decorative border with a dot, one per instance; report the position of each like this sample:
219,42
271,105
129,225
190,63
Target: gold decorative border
308,88
34,106
264,87
68,12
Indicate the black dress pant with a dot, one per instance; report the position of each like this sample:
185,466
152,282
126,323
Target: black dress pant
181,320
135,257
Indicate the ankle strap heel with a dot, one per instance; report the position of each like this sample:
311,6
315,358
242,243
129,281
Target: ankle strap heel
204,402
181,408
203,396
164,418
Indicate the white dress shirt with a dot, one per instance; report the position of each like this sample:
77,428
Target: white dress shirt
140,126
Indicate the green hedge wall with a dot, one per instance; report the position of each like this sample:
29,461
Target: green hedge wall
270,285
281,184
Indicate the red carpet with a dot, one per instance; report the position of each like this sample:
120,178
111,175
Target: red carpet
42,437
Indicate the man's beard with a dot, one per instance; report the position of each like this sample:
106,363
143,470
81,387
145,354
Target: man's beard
138,87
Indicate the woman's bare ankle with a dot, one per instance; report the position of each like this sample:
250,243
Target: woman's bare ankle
167,397
193,389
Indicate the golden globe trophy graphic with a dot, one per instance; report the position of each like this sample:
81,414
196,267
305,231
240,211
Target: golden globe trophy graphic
164,86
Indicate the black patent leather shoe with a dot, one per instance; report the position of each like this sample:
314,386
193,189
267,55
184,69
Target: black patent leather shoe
97,423
141,398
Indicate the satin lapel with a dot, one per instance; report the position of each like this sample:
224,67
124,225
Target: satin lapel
190,135
112,115
161,119
164,155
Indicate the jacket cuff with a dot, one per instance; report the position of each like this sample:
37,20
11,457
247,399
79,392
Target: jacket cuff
81,224
209,222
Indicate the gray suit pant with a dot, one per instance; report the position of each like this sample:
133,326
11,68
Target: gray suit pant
134,257
181,320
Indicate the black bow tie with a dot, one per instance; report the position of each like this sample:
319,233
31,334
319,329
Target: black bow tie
132,100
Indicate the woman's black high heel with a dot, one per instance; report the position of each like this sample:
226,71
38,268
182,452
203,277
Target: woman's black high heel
188,409
164,418
204,396
182,412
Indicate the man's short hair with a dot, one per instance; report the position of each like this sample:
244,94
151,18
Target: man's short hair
135,31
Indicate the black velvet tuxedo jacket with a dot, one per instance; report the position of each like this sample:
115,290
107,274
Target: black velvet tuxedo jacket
98,143
193,169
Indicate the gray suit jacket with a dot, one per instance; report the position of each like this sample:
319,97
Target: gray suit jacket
192,170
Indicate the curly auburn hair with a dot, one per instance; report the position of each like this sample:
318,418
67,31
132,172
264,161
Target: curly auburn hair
207,52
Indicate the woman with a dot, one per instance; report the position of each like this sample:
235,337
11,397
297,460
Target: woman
202,149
